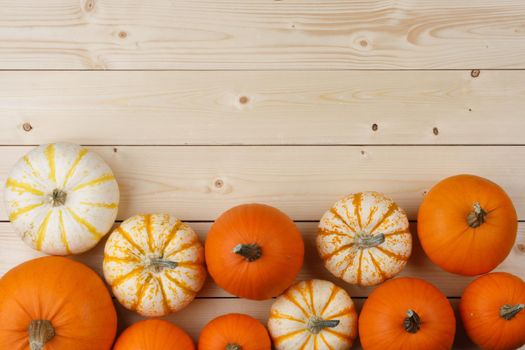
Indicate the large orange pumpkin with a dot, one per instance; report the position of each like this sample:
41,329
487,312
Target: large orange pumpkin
234,332
55,303
409,314
254,251
154,335
492,310
467,225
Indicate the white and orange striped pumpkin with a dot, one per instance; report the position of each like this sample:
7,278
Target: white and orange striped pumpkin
154,264
61,198
313,314
364,239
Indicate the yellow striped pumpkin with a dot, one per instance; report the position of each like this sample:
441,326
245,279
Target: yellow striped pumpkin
313,314
61,198
364,239
154,264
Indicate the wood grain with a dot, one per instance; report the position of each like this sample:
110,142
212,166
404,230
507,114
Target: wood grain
14,251
258,34
199,183
246,108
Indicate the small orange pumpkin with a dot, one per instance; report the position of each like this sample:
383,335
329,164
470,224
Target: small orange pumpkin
234,332
467,225
254,251
492,310
55,303
154,335
409,314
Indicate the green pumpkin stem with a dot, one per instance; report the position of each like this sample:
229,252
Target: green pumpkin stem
159,264
250,252
365,240
412,323
508,312
40,332
233,346
317,324
58,197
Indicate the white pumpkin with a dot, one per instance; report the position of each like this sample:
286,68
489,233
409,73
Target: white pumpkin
364,239
154,264
61,198
311,315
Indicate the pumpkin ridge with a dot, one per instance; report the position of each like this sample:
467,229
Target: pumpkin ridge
392,208
81,153
347,212
325,341
22,187
371,215
129,259
35,172
345,311
63,235
294,301
333,293
275,314
20,211
337,251
101,205
323,232
311,293
124,234
165,305
340,218
350,263
86,224
303,346
283,337
301,291
392,254
337,334
378,268
183,248
50,155
359,272
147,224
172,235
358,198
396,233
97,181
126,276
42,230
185,288
141,292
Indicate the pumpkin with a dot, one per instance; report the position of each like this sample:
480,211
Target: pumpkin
234,332
313,314
364,239
409,314
55,303
61,198
254,251
154,335
154,264
467,225
493,311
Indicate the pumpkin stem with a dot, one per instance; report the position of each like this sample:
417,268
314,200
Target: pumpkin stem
57,197
40,332
158,264
477,216
251,252
233,346
316,324
364,240
412,323
509,311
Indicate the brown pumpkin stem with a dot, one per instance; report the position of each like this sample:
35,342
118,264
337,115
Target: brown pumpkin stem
58,197
412,323
364,240
233,346
316,324
40,332
509,311
159,264
477,216
251,252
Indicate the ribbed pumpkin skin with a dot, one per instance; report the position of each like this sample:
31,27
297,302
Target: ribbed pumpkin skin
292,312
282,251
154,335
83,213
364,214
239,329
149,289
446,236
62,291
381,319
480,306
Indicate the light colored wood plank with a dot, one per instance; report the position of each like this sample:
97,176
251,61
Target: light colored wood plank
234,34
201,311
178,108
303,181
14,252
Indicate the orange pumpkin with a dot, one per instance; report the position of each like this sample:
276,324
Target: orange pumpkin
55,303
409,314
467,225
234,332
492,311
254,251
154,335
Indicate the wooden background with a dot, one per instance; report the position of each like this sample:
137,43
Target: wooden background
199,105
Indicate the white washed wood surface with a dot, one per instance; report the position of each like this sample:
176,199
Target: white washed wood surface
260,34
224,107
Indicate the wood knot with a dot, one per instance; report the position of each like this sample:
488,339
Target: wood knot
363,43
218,183
89,5
122,35
115,150
27,127
474,73
243,100
375,127
521,247
435,131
